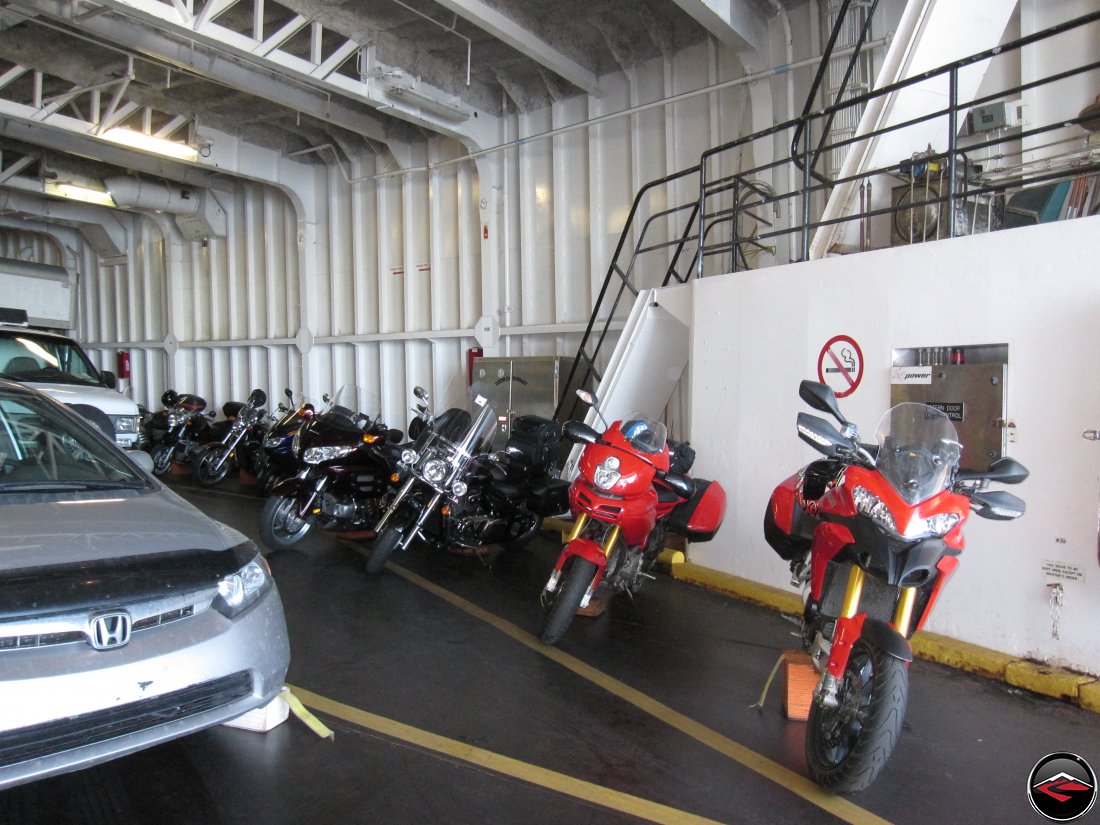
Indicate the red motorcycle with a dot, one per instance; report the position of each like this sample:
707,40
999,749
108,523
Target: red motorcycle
631,490
873,533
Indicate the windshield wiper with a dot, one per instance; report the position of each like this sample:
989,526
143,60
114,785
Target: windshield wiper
47,486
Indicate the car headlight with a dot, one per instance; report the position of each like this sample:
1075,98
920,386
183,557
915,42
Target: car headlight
607,474
315,455
870,505
239,590
124,423
435,470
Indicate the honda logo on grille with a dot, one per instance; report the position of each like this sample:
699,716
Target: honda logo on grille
110,630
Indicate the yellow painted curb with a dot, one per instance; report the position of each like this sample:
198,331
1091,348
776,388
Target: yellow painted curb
962,655
1088,696
670,557
1050,681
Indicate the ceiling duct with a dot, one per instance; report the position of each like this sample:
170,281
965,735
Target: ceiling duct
198,213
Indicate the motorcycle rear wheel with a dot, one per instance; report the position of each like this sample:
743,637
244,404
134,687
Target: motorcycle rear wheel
849,745
162,459
280,525
383,548
566,599
205,462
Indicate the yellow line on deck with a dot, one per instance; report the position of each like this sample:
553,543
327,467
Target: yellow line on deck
495,762
769,769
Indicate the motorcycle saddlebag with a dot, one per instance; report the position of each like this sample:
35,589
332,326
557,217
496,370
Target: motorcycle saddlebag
549,497
535,439
700,516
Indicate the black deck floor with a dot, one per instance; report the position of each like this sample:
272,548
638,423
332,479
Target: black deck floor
446,709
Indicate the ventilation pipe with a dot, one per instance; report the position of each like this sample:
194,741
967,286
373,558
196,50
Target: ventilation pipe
197,211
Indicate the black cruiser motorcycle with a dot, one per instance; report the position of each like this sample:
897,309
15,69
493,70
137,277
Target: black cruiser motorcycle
455,493
238,441
346,462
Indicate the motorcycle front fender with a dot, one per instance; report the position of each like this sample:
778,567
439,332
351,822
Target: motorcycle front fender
586,549
877,632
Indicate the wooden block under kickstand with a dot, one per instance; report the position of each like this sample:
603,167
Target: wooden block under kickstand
799,681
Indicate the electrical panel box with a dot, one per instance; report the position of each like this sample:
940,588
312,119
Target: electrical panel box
1000,114
522,385
972,395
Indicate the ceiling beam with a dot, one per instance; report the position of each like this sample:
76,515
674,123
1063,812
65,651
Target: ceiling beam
504,28
735,23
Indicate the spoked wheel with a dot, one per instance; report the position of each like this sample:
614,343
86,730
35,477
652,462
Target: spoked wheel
847,746
162,459
212,465
383,548
562,604
281,526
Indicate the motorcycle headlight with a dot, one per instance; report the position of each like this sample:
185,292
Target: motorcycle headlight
607,474
239,590
316,455
435,470
459,489
868,504
409,457
273,442
174,419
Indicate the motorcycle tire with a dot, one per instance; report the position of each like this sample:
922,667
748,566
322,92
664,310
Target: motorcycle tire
162,459
849,745
566,599
205,461
280,525
383,548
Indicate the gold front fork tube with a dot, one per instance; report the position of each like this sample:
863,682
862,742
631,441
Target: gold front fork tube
578,528
903,613
852,594
612,537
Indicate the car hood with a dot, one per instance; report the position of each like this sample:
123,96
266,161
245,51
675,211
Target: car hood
110,401
50,531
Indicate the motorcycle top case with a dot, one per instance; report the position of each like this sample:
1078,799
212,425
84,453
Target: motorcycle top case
194,403
700,516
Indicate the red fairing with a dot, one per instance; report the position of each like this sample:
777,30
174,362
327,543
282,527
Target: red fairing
586,549
947,566
782,504
636,515
829,539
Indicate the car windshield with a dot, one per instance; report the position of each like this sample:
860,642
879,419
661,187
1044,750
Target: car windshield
918,451
26,356
43,447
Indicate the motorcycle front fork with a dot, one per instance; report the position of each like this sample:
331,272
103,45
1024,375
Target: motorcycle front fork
830,657
423,517
607,547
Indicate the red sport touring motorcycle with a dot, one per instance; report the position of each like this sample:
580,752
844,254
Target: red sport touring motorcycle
873,533
630,491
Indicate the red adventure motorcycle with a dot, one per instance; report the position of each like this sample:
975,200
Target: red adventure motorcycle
873,533
630,491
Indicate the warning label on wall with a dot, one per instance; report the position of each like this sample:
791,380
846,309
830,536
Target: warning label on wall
1063,570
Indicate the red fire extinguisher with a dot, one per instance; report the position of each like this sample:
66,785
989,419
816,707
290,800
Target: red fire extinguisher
122,361
471,354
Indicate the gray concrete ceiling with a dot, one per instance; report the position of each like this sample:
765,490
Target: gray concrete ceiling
292,75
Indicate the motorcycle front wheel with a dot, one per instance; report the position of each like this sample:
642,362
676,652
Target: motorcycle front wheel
208,471
849,745
383,548
281,526
566,599
162,459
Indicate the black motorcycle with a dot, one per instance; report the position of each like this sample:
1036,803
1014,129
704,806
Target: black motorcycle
279,460
458,494
187,427
346,462
237,442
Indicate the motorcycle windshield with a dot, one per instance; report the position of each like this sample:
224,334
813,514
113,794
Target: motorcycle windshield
472,433
643,433
918,450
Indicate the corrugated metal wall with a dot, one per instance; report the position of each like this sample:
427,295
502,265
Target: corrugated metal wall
405,264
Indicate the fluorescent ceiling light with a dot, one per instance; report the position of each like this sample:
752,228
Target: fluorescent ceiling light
76,192
430,103
150,143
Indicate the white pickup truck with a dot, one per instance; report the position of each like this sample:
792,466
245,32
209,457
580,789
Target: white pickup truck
56,365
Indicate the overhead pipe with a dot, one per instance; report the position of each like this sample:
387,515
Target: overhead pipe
157,195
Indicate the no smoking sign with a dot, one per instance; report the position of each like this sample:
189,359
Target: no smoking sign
840,365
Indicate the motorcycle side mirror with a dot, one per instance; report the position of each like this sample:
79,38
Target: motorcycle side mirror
1005,470
326,397
821,397
288,393
587,397
997,505
420,393
258,398
580,433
